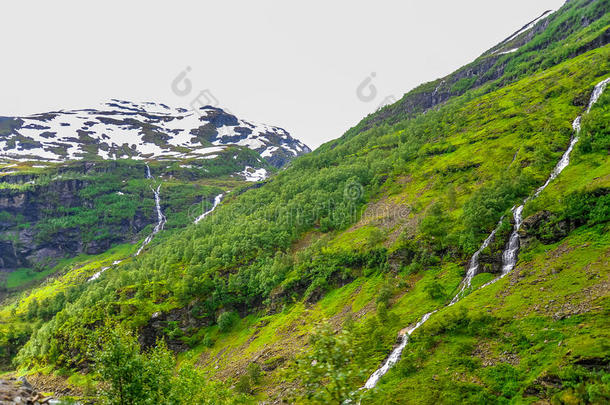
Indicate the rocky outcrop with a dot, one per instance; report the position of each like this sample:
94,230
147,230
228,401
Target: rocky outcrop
544,226
169,326
19,391
26,239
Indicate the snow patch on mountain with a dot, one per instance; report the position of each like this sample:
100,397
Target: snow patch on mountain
251,174
123,129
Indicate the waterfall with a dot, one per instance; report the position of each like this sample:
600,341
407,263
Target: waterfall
98,274
161,220
473,267
511,252
395,355
217,201
597,92
103,269
509,255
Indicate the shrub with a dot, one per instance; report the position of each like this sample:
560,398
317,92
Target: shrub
130,376
226,321
435,290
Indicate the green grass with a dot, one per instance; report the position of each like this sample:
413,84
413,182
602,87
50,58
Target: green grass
297,252
24,276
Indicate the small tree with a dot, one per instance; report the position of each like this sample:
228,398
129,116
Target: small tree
249,379
225,321
120,365
329,372
435,290
133,377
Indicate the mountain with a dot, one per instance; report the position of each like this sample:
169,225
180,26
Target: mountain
576,29
123,129
450,248
77,182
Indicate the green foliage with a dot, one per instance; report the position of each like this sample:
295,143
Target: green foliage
226,320
463,84
311,233
329,372
435,227
486,206
251,378
590,208
435,291
130,376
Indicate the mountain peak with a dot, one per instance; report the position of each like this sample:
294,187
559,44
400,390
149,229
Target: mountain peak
144,130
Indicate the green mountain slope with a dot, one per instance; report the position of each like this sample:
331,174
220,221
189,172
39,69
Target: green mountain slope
50,212
310,278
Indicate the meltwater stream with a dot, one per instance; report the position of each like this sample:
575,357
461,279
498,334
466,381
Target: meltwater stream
159,227
217,201
395,355
509,255
473,266
160,217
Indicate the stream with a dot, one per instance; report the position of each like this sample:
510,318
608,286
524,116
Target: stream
509,255
158,228
217,201
160,217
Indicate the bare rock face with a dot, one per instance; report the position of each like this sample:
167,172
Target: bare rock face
545,227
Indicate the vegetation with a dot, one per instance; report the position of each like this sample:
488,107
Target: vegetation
131,377
297,289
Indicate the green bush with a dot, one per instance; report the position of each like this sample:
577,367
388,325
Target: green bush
226,320
130,376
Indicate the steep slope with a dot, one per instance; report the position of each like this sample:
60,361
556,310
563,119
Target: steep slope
577,28
316,276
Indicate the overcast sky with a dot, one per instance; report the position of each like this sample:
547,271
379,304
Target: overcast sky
294,65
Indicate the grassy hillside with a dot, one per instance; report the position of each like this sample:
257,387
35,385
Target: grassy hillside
297,290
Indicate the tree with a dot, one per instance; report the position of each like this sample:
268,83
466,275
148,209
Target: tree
133,377
435,290
435,226
120,365
226,320
329,373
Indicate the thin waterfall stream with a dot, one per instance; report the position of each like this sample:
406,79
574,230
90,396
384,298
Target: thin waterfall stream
161,220
509,255
217,201
160,217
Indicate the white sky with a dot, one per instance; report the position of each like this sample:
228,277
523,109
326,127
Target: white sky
294,65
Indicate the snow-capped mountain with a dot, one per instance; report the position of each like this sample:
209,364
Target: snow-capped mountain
123,129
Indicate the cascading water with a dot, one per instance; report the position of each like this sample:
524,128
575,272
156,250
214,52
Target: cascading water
473,267
160,217
158,228
509,256
597,93
393,358
99,273
395,355
510,253
217,201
